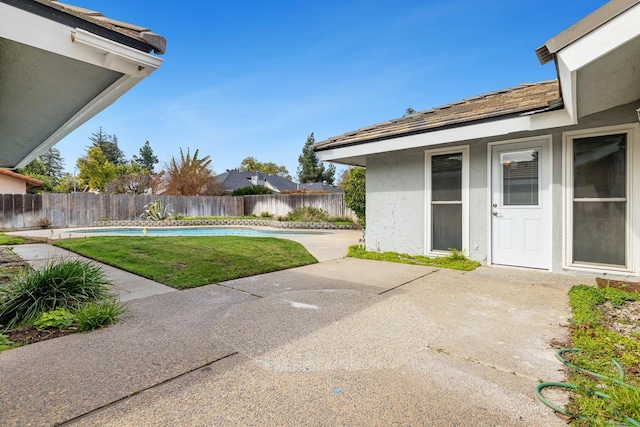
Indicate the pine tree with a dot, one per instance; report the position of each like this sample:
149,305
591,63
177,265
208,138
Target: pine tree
311,169
53,163
109,146
147,159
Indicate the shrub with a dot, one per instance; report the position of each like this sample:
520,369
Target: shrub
95,315
251,190
67,284
307,214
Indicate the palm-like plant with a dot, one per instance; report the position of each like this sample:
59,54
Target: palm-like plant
189,176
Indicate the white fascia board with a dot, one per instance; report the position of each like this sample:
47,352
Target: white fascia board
602,40
99,103
32,30
463,133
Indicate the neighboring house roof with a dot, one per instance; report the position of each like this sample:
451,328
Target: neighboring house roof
31,182
60,66
235,179
318,186
523,99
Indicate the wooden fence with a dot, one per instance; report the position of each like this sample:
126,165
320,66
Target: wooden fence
23,211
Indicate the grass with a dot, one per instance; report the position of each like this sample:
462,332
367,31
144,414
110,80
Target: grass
10,240
187,262
95,315
600,346
455,261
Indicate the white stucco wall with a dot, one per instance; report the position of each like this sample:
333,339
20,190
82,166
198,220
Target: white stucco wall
9,185
396,192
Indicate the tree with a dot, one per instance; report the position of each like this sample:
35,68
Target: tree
147,159
53,163
95,171
109,146
47,168
311,169
409,111
190,176
355,193
251,164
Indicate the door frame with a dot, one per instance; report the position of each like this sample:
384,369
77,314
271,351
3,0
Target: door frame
546,196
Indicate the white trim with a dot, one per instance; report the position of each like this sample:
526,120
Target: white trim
546,196
632,131
466,132
464,150
602,40
42,33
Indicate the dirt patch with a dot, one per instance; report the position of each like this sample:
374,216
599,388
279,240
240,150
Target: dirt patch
29,334
618,284
624,319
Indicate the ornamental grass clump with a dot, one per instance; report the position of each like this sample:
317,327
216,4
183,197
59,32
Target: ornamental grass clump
95,315
67,284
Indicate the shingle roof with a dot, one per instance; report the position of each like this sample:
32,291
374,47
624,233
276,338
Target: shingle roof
523,99
235,179
131,35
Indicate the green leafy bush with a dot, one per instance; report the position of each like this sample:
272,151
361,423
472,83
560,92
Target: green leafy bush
66,284
60,318
307,214
95,315
251,190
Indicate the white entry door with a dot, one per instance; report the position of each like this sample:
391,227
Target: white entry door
521,204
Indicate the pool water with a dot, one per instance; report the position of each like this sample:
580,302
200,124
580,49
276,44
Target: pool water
193,231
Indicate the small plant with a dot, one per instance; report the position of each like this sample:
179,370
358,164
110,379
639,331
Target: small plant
308,214
157,211
60,318
95,315
265,214
66,284
5,344
44,222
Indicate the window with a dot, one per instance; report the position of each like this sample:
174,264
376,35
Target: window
598,207
446,192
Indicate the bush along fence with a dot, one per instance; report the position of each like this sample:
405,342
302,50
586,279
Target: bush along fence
28,211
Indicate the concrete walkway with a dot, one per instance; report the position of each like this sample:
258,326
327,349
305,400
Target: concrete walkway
126,285
342,342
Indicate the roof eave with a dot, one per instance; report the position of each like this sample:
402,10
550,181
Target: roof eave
594,20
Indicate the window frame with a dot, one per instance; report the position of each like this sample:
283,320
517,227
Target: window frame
428,235
630,131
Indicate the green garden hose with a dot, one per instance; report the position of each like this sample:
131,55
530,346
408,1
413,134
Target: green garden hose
628,421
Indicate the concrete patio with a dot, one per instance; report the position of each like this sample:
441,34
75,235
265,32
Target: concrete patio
342,342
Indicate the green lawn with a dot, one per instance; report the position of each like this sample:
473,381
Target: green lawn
187,262
455,261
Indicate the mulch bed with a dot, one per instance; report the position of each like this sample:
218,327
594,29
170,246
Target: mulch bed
29,334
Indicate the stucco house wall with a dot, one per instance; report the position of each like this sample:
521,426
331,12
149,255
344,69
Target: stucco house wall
10,185
396,194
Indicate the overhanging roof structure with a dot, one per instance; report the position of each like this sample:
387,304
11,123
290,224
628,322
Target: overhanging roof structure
60,65
596,60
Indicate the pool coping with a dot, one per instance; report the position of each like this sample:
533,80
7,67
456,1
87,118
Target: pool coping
235,222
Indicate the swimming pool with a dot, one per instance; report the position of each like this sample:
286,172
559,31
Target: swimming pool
193,231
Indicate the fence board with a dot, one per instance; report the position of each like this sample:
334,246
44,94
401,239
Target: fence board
19,211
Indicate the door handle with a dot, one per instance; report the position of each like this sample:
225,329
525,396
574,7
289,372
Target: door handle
496,214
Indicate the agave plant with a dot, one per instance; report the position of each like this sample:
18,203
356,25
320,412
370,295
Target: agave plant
157,211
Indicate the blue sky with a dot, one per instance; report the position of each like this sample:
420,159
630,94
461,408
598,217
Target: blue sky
255,78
